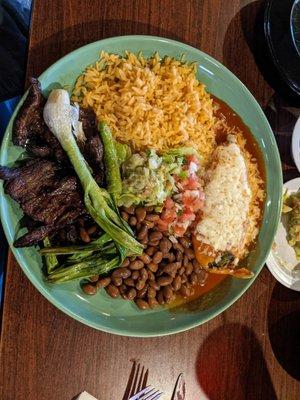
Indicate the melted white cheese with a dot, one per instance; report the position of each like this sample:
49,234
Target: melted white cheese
227,200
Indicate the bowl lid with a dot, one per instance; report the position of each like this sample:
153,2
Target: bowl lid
281,27
295,25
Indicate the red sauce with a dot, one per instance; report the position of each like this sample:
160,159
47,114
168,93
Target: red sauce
233,120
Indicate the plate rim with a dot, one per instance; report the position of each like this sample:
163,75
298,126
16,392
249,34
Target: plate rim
17,252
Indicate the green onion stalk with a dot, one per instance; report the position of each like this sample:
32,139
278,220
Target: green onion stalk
51,260
99,203
95,265
95,245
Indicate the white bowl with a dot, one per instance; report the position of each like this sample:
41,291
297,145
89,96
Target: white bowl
296,144
282,261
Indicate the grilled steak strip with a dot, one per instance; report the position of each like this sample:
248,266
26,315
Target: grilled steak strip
46,187
38,234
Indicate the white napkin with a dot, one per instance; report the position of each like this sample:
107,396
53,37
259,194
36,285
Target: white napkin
86,396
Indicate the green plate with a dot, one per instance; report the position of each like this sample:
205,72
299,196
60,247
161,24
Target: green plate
119,316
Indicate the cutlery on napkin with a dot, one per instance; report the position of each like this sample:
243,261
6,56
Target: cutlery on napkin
85,396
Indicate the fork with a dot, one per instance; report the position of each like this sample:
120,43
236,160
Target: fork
149,393
136,387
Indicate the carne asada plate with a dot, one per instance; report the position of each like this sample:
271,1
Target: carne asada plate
120,165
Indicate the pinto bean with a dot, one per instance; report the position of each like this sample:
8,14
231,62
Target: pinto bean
142,304
153,243
92,229
144,241
184,242
132,221
129,210
190,253
168,292
152,302
131,294
157,257
155,285
135,275
152,217
84,235
136,264
121,273
148,224
171,257
165,245
185,260
152,266
125,215
140,213
196,265
151,276
155,236
160,298
125,263
145,258
150,250
179,256
129,282
140,284
184,291
143,232
151,292
112,290
189,269
165,280
171,268
103,282
94,278
183,278
144,274
89,289
179,247
141,293
202,276
176,284
123,289
194,279
117,281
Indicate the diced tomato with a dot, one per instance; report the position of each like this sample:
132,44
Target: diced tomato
179,230
195,204
190,183
168,215
190,201
192,158
162,225
169,203
187,216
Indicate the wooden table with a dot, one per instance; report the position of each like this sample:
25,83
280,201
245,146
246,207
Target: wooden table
250,351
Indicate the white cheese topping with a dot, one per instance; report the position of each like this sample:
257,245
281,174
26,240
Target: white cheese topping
227,200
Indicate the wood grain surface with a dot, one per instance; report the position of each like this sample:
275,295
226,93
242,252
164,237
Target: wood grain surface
250,351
